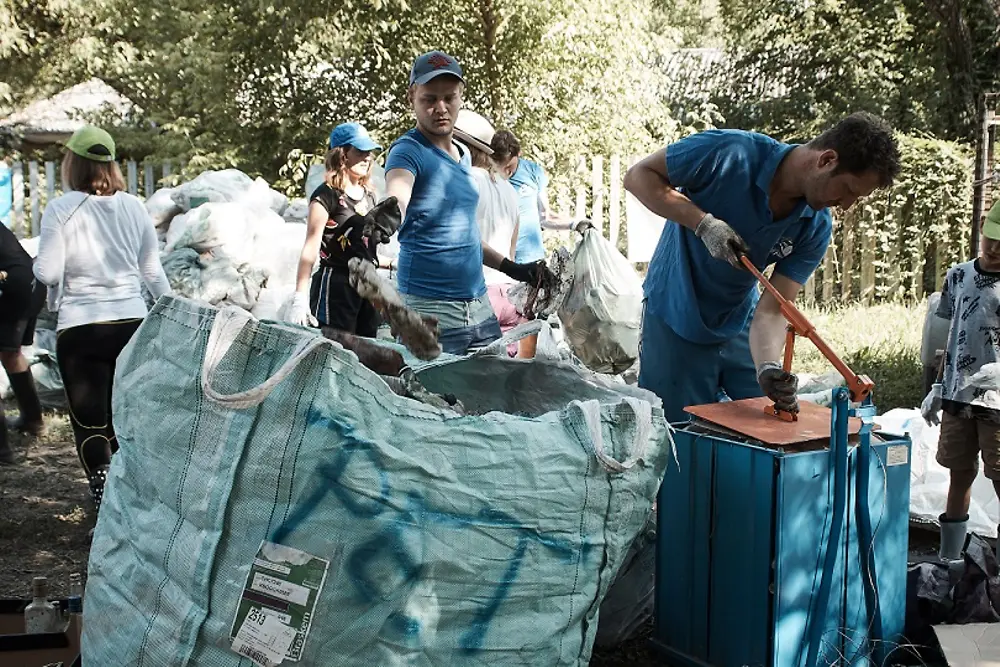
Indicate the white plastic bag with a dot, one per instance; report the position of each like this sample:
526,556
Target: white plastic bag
602,311
212,186
233,228
929,480
162,208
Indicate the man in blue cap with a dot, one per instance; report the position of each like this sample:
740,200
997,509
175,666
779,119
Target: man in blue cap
727,194
441,257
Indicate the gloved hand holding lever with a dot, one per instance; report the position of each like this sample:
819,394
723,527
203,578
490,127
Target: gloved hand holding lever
532,273
779,385
721,240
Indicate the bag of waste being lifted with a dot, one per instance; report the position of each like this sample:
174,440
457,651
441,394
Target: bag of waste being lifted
274,501
602,310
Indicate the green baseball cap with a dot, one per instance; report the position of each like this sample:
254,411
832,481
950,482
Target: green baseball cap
92,143
991,228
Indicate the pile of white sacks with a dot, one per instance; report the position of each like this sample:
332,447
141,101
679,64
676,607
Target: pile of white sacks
228,239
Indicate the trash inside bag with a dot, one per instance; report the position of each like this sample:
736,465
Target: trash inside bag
602,312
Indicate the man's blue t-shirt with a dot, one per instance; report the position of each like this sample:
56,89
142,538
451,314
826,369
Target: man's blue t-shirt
440,254
529,180
728,173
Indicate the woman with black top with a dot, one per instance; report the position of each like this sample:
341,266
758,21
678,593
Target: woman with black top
338,211
21,297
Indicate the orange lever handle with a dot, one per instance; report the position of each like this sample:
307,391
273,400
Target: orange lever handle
860,386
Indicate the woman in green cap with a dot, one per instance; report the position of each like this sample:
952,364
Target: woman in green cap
98,248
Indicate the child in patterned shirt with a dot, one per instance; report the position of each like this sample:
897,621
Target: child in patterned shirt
969,400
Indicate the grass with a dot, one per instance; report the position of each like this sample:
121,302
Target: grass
881,341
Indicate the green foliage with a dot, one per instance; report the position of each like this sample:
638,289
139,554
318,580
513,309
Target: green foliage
221,83
799,66
896,372
881,341
906,237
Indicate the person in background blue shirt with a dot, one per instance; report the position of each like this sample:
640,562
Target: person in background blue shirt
530,181
441,256
727,193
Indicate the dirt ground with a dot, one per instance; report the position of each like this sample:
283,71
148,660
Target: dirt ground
45,512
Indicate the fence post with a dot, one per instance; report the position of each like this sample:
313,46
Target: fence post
917,268
50,180
35,201
166,168
147,179
614,199
133,178
597,193
581,190
829,273
867,266
17,184
847,255
809,289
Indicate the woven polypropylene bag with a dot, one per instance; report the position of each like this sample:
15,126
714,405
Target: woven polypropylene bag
487,539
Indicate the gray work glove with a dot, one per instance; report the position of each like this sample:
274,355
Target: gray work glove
930,409
722,241
779,385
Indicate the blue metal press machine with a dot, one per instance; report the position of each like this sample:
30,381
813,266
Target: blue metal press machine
782,539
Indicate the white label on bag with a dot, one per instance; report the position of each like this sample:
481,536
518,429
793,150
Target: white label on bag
263,638
283,590
282,584
897,455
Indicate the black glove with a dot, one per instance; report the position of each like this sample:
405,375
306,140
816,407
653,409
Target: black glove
382,221
779,385
532,273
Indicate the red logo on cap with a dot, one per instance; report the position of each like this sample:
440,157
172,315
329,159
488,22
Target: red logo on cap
438,61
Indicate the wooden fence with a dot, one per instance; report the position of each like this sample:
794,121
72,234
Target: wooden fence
34,184
861,264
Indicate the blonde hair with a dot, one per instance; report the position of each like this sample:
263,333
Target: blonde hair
90,176
482,160
336,171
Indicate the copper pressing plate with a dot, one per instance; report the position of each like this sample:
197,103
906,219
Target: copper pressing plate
748,417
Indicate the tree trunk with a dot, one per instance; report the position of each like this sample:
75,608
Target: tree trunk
490,20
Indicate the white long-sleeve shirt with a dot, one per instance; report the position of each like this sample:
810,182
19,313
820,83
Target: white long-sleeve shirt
95,253
496,216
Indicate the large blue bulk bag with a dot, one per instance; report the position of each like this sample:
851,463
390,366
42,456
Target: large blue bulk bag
273,499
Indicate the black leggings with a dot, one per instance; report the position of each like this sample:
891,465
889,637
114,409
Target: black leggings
87,356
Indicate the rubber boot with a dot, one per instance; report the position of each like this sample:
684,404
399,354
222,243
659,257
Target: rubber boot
953,533
30,419
6,453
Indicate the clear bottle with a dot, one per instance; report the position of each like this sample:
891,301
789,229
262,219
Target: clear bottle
74,608
41,615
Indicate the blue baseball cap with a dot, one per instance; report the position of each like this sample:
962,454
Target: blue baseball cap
353,134
434,64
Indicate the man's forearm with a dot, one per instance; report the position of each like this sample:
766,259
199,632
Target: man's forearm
491,257
660,197
767,336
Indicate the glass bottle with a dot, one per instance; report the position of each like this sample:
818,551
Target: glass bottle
41,615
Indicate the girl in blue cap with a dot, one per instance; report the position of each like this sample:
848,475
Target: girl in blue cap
337,212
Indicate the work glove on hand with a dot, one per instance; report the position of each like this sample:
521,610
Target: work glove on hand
930,409
297,312
779,385
382,221
722,241
532,273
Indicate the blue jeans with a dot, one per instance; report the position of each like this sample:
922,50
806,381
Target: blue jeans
464,325
465,339
683,373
